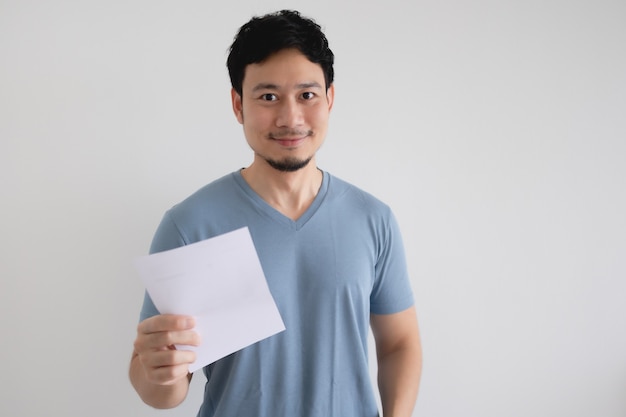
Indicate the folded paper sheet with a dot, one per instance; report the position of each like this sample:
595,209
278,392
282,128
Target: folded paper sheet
220,282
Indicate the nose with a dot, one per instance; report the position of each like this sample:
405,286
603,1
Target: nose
289,114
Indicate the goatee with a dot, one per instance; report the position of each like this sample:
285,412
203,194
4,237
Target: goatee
288,164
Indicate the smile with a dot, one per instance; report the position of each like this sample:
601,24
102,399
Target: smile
291,139
290,142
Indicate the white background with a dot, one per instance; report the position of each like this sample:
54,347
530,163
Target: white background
496,130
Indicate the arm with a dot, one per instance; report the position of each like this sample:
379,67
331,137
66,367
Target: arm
158,372
399,354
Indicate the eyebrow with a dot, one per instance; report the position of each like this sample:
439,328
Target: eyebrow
270,86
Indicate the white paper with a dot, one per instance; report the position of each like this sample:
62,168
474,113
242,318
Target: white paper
220,282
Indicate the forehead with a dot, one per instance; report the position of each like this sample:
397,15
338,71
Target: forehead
283,68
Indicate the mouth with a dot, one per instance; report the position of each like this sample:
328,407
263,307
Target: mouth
290,142
290,139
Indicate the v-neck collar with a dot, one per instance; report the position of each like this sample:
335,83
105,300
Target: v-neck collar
277,215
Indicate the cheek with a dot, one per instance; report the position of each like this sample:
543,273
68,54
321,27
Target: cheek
255,125
319,117
255,117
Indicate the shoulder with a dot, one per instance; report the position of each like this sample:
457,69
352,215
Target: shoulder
211,210
348,195
211,195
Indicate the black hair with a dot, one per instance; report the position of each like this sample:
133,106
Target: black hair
265,35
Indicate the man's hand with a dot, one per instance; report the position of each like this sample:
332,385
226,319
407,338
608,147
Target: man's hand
159,372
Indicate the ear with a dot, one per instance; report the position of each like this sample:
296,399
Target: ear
330,96
237,105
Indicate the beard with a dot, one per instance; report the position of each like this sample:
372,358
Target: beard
288,164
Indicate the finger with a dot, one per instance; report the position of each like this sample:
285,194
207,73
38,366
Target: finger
167,375
166,322
163,340
167,358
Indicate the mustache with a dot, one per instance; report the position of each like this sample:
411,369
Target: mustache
290,133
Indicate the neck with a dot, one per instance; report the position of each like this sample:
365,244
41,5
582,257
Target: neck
291,193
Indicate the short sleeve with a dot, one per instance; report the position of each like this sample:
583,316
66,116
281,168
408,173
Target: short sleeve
166,237
392,291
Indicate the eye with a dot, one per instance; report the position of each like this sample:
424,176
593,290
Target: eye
269,97
308,95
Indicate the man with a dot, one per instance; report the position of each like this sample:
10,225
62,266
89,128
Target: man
331,253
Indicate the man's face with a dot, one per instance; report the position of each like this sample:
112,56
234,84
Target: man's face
284,110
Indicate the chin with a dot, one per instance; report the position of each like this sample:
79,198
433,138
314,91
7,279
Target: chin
289,164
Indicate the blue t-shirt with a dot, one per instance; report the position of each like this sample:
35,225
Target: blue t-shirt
327,271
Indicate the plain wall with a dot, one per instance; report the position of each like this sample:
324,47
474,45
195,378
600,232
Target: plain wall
496,130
